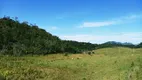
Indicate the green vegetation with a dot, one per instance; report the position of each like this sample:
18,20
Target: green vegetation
139,45
106,64
21,38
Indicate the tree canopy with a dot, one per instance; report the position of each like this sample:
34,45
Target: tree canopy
21,38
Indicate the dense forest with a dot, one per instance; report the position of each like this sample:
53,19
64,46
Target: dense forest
20,38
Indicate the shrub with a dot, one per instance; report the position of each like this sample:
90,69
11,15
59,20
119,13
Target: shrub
89,53
66,54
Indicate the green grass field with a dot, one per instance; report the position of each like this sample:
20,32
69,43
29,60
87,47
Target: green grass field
105,64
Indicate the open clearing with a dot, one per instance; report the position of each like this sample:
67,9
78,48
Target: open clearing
106,64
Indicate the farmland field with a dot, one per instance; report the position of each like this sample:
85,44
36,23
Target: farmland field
105,64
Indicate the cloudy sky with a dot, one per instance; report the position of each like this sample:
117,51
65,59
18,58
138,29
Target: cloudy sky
94,21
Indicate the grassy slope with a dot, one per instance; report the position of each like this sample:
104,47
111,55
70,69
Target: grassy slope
105,64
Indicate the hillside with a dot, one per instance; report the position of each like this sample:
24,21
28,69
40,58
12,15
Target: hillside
21,38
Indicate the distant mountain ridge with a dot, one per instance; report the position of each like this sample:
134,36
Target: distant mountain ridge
114,42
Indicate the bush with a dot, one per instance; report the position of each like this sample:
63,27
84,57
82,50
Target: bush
93,52
66,54
89,53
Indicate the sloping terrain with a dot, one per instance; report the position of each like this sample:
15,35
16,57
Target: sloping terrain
106,64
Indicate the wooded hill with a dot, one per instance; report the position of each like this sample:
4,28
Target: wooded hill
20,38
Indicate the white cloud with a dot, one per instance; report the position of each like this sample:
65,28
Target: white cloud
81,38
97,24
135,38
133,17
53,28
110,22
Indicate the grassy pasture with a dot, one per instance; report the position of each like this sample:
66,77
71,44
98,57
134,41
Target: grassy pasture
106,64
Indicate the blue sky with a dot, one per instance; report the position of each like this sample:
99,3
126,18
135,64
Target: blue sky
94,21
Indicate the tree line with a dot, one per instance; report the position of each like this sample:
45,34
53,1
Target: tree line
21,38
